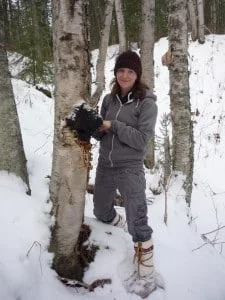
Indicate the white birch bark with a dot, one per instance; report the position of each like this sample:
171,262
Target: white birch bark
12,155
69,168
201,22
182,129
147,41
196,13
100,66
147,58
121,26
193,20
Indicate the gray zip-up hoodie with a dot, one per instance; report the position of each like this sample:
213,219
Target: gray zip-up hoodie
132,125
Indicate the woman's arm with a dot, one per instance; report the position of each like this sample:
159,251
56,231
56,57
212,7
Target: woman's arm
136,138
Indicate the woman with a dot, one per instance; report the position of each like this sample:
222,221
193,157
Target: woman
129,113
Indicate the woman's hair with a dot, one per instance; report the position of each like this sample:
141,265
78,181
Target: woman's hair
139,89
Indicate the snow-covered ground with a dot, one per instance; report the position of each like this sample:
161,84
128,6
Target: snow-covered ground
192,269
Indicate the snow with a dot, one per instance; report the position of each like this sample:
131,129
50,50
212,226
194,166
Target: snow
191,268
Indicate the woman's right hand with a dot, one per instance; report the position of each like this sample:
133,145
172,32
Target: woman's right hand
105,125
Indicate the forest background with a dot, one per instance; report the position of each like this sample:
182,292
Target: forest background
28,29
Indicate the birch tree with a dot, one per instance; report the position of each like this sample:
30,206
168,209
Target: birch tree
201,21
70,167
193,20
196,13
100,66
147,41
121,26
147,58
182,129
12,155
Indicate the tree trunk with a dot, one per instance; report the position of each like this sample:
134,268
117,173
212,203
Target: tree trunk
12,155
6,23
37,55
100,67
196,13
201,22
213,16
147,41
193,20
182,128
121,26
70,166
147,58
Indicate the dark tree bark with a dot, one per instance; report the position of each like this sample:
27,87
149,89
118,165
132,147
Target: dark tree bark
12,155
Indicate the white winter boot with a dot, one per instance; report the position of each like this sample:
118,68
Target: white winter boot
144,280
146,276
143,259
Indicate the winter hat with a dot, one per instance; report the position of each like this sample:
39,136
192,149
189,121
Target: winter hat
130,60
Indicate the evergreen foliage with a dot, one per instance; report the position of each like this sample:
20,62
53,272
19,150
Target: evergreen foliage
27,26
215,16
161,19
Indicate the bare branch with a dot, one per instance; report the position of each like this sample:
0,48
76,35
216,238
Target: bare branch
36,243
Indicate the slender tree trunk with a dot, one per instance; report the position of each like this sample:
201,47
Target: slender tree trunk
213,16
193,20
196,13
10,21
38,60
70,167
5,14
147,41
121,26
100,67
147,58
17,30
12,155
201,21
182,129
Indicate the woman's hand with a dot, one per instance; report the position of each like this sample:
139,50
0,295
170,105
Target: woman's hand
105,125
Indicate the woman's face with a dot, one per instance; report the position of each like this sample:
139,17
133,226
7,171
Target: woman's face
126,79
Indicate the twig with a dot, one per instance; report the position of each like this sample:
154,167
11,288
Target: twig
35,243
213,230
209,242
212,243
214,193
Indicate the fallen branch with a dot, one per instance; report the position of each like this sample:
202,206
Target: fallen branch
76,283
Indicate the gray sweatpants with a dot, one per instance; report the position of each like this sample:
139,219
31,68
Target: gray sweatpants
131,184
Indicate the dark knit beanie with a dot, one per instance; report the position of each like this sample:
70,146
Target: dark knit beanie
130,60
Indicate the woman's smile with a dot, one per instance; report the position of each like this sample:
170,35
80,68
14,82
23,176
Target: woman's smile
126,79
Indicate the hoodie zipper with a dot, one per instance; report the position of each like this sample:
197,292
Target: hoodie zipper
110,153
117,114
